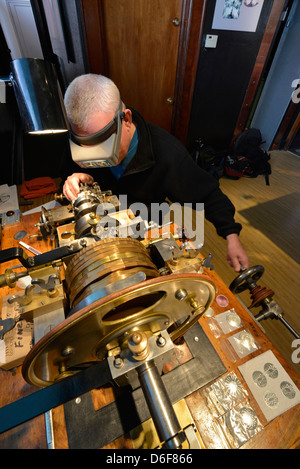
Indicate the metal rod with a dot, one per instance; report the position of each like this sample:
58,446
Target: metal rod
160,406
290,328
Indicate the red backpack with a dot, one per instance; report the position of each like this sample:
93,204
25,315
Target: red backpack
248,158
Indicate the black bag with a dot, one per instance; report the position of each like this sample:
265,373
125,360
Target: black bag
248,158
208,158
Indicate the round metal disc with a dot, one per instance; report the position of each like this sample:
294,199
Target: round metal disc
287,389
248,418
271,370
20,235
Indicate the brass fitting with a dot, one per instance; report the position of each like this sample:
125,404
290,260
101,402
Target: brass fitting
138,345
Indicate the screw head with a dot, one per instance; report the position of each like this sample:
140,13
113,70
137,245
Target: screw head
181,294
67,351
161,341
118,362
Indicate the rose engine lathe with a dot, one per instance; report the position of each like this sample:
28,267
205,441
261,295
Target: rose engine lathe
124,324
103,294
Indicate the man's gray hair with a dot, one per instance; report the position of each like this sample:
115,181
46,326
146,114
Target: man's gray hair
88,94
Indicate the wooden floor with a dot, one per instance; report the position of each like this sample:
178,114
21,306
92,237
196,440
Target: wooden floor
270,216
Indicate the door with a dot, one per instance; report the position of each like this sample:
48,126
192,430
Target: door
276,97
20,29
138,50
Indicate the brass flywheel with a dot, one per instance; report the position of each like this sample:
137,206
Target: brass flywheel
115,290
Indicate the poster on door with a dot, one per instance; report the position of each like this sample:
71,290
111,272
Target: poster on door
237,15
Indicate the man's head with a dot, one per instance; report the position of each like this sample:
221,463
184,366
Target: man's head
93,102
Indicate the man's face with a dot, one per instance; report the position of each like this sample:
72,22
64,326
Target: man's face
99,120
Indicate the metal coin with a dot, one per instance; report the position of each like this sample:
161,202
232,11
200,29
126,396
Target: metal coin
259,379
233,385
287,390
271,370
233,319
246,339
248,418
271,399
209,313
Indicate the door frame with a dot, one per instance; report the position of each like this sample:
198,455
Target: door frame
261,60
288,129
191,29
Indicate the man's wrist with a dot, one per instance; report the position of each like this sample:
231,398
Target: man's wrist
232,237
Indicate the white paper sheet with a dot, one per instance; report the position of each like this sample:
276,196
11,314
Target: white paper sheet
8,198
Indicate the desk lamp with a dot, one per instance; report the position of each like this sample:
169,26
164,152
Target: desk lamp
38,96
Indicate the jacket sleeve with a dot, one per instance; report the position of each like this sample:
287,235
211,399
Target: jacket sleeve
188,183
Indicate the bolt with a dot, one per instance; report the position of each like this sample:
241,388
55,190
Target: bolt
136,338
181,294
161,341
196,339
67,351
194,303
138,345
77,400
118,362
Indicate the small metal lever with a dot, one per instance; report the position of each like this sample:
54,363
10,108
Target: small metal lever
6,325
206,263
26,299
50,286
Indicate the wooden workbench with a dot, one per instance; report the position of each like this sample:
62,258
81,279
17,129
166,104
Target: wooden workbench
281,432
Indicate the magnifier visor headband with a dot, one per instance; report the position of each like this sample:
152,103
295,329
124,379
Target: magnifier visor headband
102,135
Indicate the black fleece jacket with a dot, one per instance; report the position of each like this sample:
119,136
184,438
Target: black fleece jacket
162,168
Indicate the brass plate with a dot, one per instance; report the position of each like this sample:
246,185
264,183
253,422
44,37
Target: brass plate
86,336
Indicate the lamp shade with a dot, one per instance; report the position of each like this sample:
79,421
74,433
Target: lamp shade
38,96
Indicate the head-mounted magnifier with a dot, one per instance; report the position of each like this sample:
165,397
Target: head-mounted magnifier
99,149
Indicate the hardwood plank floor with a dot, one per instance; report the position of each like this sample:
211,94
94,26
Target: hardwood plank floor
270,216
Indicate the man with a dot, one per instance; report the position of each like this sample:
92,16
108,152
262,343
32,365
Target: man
138,159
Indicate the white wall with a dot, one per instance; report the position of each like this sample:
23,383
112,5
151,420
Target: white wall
278,90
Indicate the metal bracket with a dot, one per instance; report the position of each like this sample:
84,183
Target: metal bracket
130,409
124,369
6,325
49,288
207,262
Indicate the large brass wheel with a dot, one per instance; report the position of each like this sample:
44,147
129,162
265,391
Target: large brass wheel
89,334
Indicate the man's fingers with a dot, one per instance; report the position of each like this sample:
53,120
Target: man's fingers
86,178
71,186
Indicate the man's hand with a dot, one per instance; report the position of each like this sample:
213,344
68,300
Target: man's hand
71,186
236,255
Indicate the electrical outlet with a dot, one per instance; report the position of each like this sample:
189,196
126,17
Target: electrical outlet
211,41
